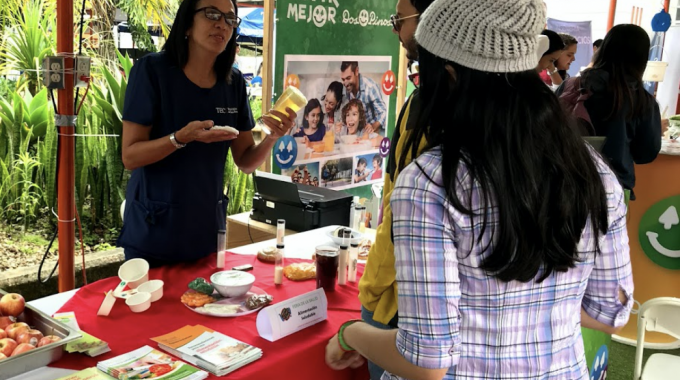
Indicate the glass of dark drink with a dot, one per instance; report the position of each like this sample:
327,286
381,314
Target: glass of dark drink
327,259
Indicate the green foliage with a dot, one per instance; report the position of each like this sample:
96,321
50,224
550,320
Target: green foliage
28,40
7,87
240,188
256,107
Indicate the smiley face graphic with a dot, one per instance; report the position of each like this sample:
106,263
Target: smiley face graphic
389,83
384,148
285,151
659,233
291,80
363,17
319,16
598,371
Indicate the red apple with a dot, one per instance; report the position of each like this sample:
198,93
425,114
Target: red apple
15,329
48,339
23,347
2,356
7,346
31,336
6,321
12,304
3,334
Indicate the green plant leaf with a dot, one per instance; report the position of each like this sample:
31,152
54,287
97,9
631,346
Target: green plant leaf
38,101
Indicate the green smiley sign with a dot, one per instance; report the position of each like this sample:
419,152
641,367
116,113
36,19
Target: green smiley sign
660,233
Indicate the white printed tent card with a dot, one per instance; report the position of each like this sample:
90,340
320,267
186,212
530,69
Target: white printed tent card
284,318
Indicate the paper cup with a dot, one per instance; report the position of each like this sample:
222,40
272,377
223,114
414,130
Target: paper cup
134,272
139,302
154,287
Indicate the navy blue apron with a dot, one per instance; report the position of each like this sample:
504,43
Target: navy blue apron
175,207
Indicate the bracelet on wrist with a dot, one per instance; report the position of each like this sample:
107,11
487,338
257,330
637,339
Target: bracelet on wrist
341,339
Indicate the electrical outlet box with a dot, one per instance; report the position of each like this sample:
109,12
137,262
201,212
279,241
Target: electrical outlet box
53,72
82,65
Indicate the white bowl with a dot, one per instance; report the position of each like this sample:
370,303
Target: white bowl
348,139
356,236
134,272
139,302
154,287
232,283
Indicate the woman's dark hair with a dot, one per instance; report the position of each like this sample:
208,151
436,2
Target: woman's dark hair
555,41
567,39
177,46
623,55
525,155
597,43
359,105
311,105
336,88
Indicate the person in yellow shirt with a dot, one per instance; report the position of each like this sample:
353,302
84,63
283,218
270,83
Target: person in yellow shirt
378,287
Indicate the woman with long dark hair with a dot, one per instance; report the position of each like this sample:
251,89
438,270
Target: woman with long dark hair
509,232
619,107
175,201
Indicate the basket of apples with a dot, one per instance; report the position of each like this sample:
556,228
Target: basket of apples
29,339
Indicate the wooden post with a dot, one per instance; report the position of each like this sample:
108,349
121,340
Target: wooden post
612,13
666,4
633,15
639,19
267,64
402,81
66,174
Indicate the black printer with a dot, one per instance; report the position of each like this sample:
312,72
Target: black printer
303,207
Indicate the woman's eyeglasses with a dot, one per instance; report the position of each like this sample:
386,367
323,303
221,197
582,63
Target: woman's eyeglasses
214,14
396,21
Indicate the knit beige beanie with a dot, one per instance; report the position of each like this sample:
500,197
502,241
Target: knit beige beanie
496,36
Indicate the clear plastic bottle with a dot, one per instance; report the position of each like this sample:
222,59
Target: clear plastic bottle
278,265
362,220
344,257
221,248
353,260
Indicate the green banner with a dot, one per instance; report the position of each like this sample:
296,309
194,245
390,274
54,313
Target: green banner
326,48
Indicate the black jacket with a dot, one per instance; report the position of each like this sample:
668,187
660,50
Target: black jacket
628,141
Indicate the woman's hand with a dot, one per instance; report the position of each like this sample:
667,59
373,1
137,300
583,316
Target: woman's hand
338,127
338,359
200,131
280,128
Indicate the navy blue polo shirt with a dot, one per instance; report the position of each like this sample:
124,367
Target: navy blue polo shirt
175,207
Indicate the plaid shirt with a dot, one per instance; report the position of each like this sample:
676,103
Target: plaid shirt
370,95
453,315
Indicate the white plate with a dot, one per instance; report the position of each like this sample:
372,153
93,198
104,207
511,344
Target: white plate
240,301
357,236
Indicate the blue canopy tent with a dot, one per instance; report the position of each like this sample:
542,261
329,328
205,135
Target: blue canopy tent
251,31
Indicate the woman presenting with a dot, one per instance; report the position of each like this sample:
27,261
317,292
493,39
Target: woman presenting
175,197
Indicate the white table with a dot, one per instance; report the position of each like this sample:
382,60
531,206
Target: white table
298,246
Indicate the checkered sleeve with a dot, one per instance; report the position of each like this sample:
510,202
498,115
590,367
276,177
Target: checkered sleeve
379,108
612,270
427,269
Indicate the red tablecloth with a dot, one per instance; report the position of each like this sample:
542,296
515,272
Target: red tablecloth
299,356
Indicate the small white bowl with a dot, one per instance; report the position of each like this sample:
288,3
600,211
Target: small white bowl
349,139
232,283
139,302
356,236
154,287
134,272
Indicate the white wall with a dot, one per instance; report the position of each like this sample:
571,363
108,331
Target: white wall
667,92
597,11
